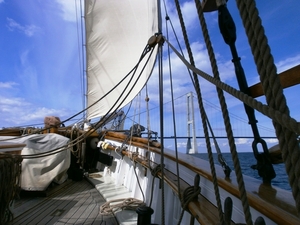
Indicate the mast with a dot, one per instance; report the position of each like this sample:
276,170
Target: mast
191,147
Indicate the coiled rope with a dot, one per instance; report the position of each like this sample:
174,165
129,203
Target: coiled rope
120,204
10,173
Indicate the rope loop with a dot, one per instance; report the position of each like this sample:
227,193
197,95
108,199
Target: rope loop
155,170
189,195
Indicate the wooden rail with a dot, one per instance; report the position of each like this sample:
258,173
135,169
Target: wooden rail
201,209
287,78
275,203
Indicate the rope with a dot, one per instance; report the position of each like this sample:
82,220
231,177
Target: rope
78,146
154,173
191,193
203,114
173,108
10,173
161,112
273,92
285,120
124,203
137,179
225,114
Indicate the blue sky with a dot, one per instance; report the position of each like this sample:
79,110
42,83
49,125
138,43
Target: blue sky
41,70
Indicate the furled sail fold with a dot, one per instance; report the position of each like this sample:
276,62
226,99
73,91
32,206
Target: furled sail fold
116,35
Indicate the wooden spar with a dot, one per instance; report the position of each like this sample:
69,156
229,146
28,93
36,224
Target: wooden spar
11,132
287,78
136,140
10,148
269,200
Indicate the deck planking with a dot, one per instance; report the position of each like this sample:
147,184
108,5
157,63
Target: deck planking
69,203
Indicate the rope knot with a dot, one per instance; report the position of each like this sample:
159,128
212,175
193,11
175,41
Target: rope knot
155,170
191,193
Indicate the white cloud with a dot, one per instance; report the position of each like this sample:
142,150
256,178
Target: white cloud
28,75
288,63
189,13
7,85
69,8
11,102
28,30
18,112
242,141
271,141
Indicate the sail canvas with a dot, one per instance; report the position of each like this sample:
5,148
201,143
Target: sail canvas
116,35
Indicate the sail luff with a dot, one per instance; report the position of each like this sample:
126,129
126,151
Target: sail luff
116,35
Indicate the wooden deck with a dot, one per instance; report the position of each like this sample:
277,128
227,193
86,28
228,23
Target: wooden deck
69,203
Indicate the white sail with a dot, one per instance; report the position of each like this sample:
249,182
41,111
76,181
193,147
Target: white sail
116,34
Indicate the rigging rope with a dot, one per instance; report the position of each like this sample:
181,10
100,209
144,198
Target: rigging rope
82,136
173,110
161,111
191,193
202,112
10,174
226,118
154,173
285,120
273,92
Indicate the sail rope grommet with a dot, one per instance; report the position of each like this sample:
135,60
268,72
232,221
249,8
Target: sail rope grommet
155,39
152,41
160,39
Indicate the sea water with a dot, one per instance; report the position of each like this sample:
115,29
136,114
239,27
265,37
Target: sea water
247,159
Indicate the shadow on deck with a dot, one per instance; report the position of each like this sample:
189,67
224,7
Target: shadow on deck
69,203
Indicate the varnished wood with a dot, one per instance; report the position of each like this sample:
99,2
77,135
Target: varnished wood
204,213
275,203
11,132
5,145
275,154
287,78
203,210
51,130
10,148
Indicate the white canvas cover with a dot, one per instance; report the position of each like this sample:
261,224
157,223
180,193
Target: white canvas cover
38,173
116,35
